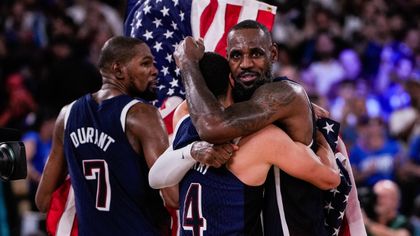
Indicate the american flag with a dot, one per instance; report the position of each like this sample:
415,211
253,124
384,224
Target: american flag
162,24
335,200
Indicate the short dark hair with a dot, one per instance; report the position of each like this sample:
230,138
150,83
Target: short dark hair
215,70
118,49
252,24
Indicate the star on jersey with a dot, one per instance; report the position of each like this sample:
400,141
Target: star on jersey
346,199
329,207
330,130
157,22
336,231
174,83
165,11
170,92
165,71
334,191
168,34
157,46
146,9
169,57
148,35
328,127
341,215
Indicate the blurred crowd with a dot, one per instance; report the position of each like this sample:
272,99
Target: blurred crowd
360,59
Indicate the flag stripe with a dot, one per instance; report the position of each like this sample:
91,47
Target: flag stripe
266,18
250,11
65,224
216,30
233,12
197,8
207,17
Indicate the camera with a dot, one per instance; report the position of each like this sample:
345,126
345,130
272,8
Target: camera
12,156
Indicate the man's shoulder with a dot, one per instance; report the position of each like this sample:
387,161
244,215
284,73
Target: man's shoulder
283,83
281,78
281,92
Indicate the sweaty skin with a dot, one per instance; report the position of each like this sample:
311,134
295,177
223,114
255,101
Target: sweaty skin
284,102
272,146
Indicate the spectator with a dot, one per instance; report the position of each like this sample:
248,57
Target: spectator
410,175
20,102
387,220
38,143
374,156
68,75
415,218
327,71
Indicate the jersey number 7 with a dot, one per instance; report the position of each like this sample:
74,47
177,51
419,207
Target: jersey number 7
97,169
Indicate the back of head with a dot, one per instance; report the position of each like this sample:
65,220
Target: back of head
388,189
117,49
252,24
215,70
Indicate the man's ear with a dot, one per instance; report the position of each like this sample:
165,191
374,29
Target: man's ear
118,70
274,52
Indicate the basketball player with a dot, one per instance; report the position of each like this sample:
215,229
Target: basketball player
228,200
292,206
107,141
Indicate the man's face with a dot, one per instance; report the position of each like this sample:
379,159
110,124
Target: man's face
250,56
142,74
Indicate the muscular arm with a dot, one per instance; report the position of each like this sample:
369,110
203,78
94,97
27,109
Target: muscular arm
300,161
147,134
271,146
55,170
271,102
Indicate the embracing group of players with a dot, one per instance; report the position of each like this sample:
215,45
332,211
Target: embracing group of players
249,156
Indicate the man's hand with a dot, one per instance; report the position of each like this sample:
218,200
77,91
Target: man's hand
189,50
320,112
212,155
324,151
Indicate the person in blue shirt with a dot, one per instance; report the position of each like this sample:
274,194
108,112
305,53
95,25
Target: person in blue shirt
375,156
38,143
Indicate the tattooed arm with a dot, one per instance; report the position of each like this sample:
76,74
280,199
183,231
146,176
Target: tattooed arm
279,101
265,107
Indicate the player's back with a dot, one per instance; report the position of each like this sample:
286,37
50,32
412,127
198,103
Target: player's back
213,201
109,178
293,206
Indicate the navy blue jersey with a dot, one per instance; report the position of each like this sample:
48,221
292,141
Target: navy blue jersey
213,201
109,178
292,206
296,207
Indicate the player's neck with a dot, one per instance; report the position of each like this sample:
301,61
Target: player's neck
227,100
106,92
